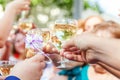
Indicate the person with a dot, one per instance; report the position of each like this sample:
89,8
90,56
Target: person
66,73
19,45
6,50
29,69
7,20
93,56
91,21
105,29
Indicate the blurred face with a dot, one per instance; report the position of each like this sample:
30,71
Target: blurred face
19,43
89,25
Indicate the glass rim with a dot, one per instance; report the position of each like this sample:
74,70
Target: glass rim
4,62
69,21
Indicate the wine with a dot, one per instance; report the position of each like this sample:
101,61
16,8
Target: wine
5,69
29,52
25,26
56,41
64,31
46,36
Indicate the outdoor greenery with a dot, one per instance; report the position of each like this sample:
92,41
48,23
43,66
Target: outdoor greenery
45,12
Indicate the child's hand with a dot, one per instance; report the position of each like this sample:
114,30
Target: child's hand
18,6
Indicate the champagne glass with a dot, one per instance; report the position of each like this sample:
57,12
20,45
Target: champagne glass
24,24
6,66
64,29
34,42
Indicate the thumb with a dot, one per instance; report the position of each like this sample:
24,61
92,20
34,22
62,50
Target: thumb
68,44
37,57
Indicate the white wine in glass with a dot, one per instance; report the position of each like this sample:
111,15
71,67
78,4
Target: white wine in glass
6,66
64,29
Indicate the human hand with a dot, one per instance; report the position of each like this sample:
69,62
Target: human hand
86,56
81,41
2,77
54,54
30,69
72,53
50,49
18,6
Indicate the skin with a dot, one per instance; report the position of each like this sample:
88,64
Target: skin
55,56
19,43
91,22
29,69
7,20
100,65
5,51
87,41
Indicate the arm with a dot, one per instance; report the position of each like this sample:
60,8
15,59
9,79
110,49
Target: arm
109,49
110,69
29,69
6,25
7,20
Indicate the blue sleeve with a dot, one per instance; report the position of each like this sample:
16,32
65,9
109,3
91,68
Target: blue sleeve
12,78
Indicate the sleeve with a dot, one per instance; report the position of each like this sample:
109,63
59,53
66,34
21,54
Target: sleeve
12,78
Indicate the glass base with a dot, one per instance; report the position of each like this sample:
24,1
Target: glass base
64,66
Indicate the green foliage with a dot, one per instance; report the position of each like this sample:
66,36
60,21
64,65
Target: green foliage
94,7
45,7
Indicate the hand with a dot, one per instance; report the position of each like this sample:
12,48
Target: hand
50,49
2,77
30,69
87,56
18,6
81,41
72,53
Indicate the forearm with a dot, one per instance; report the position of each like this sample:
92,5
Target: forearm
110,49
110,69
6,25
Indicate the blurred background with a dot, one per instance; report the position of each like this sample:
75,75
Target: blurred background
44,12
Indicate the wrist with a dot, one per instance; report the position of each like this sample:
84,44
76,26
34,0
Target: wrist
92,56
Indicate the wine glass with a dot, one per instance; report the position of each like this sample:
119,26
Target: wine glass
64,29
25,24
6,66
35,41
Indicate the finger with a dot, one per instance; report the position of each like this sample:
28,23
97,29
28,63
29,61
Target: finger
78,52
27,0
26,3
38,58
79,58
54,50
69,56
74,48
62,52
50,50
25,8
42,65
68,44
83,55
73,56
2,77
